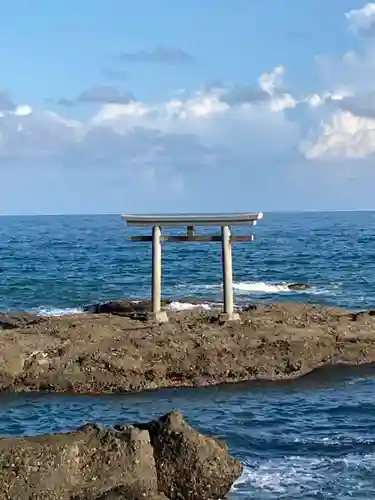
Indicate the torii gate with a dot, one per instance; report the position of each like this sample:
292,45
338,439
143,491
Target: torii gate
190,221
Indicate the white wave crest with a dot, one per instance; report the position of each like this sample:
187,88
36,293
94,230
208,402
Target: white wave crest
261,287
187,306
278,478
293,475
50,312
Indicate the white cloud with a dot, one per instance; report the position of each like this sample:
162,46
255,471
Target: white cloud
362,21
224,121
269,82
211,137
203,105
23,110
110,113
346,127
343,132
344,136
209,115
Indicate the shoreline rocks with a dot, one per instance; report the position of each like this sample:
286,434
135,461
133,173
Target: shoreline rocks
161,460
127,308
96,353
298,286
137,309
9,321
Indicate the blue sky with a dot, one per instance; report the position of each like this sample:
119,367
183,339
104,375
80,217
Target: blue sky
186,106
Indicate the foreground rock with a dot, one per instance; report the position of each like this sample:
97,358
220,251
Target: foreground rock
9,321
111,353
164,459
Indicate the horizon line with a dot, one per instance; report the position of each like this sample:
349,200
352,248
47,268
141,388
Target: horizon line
93,214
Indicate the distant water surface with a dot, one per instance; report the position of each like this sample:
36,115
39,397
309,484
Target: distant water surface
57,263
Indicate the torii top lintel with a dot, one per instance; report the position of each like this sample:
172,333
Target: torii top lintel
178,220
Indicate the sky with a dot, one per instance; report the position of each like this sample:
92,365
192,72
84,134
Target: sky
133,107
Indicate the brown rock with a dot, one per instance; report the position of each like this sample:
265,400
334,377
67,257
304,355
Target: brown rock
12,320
121,307
93,463
111,353
298,286
122,493
190,465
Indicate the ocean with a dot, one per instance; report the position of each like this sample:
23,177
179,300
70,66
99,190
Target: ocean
312,438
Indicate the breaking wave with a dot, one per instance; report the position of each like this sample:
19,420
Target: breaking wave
305,475
187,306
51,312
260,287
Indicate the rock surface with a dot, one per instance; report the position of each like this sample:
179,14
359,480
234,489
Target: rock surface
127,462
182,457
298,286
111,353
129,308
8,321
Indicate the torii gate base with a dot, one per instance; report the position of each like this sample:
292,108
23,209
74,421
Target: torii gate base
190,221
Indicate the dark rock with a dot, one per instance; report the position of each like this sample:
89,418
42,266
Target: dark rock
9,321
190,465
249,308
298,286
191,299
93,463
122,307
355,316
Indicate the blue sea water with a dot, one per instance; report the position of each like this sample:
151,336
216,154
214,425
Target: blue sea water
61,262
310,439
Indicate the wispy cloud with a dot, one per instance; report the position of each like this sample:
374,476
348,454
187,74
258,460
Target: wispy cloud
362,21
98,95
6,102
159,55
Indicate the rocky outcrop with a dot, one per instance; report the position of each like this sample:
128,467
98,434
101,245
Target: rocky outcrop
298,286
129,308
94,353
8,321
135,309
182,454
164,459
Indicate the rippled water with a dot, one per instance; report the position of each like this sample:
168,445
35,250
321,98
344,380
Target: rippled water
314,438
307,439
54,263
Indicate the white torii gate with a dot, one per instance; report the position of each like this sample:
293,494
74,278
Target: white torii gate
190,221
